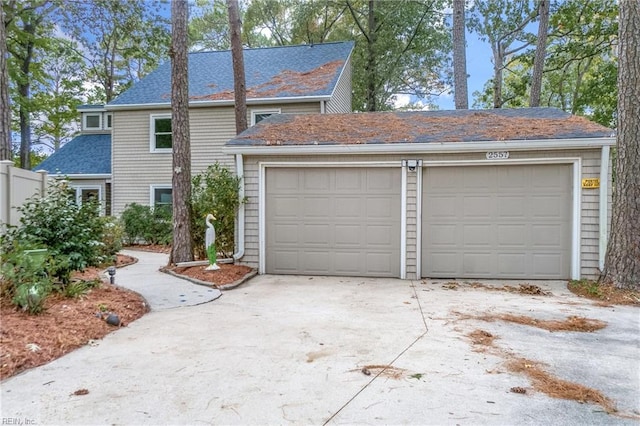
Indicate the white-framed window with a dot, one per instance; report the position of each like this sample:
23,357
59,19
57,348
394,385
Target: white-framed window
258,115
160,132
87,193
92,121
108,121
161,195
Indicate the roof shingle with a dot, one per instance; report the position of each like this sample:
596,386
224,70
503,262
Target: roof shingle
84,154
276,72
419,127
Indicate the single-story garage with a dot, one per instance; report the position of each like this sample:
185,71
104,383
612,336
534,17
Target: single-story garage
512,194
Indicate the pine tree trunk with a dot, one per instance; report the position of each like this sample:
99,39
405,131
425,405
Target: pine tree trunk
371,59
622,262
182,249
5,110
24,89
461,96
239,85
541,50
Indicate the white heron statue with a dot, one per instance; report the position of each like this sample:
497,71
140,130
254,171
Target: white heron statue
210,243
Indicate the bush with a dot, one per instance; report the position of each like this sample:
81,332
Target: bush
24,278
71,233
147,224
112,234
215,191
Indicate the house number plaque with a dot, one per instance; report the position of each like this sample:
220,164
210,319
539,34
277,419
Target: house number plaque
497,155
591,183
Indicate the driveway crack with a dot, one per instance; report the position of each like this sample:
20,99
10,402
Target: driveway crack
389,365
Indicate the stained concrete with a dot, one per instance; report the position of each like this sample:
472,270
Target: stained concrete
291,350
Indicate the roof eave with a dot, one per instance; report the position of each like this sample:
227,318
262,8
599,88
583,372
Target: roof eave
223,102
81,175
420,148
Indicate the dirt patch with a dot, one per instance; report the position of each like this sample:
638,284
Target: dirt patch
572,323
557,388
227,274
607,294
481,337
530,289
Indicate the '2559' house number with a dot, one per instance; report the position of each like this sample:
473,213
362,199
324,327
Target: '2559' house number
497,155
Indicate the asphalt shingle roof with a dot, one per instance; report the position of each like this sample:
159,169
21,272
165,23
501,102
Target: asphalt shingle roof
419,127
276,72
84,154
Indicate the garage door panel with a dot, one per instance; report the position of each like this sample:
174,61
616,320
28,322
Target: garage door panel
478,207
478,235
512,235
502,221
315,180
477,264
287,260
349,221
511,207
284,182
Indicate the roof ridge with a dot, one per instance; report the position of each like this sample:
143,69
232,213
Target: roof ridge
286,46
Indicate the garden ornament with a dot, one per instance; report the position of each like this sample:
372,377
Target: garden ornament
210,244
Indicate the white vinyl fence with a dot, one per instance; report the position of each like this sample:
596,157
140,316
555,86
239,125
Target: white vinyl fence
16,186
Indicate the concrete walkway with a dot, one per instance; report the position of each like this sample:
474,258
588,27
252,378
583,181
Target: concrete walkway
162,291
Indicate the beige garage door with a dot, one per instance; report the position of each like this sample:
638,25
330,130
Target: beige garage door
497,222
333,221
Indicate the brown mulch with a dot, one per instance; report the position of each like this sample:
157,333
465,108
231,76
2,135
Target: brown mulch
27,341
481,337
227,274
572,323
605,293
556,387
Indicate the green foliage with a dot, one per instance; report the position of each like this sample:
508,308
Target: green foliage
215,191
112,235
79,288
590,287
23,278
72,234
147,224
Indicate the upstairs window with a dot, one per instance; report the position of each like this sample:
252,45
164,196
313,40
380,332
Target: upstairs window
92,121
161,136
259,115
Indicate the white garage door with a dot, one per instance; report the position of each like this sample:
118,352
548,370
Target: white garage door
333,221
497,222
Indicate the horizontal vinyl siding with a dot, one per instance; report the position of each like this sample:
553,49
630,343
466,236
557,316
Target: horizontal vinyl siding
589,233
340,102
135,168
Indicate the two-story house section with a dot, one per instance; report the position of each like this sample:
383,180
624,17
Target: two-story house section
279,80
86,159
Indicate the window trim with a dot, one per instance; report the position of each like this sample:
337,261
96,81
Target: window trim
79,188
91,114
152,192
106,121
152,133
255,112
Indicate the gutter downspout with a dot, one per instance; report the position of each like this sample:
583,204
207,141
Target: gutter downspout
240,219
604,205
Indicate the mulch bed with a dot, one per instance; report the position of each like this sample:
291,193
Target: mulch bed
607,294
227,274
27,341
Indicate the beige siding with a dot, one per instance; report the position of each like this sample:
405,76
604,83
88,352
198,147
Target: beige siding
135,168
412,220
341,99
589,231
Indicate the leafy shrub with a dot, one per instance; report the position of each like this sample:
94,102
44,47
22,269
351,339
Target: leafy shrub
23,278
147,224
112,234
215,191
71,233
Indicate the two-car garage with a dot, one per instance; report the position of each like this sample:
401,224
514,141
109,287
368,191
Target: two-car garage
496,221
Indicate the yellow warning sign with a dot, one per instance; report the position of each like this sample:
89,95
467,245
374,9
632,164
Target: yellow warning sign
591,183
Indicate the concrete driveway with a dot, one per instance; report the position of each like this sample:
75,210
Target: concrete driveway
291,350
